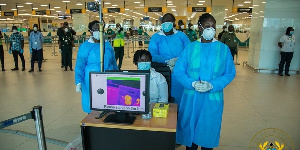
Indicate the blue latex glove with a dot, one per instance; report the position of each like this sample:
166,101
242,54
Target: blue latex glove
21,51
9,51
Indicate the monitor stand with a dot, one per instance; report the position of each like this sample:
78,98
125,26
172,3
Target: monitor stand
120,118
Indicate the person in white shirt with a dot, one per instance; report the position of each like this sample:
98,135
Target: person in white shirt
158,83
287,45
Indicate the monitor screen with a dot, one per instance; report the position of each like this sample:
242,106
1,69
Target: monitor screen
120,91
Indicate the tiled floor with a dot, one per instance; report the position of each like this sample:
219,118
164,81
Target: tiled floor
252,102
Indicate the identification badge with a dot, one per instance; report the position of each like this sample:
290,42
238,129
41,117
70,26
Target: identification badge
66,40
14,43
35,43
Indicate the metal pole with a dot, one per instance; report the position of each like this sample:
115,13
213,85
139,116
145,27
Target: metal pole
53,45
101,39
128,48
133,44
237,52
38,117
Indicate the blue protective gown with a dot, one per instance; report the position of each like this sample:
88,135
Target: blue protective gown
163,48
200,114
88,59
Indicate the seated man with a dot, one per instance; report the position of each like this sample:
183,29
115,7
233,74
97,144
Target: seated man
158,83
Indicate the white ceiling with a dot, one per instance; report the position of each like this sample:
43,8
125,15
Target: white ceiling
179,7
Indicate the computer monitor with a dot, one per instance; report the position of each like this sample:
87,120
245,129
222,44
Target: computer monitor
122,92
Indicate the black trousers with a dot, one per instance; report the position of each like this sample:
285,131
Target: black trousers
140,42
119,54
2,56
195,147
62,60
15,54
233,52
286,58
67,56
37,53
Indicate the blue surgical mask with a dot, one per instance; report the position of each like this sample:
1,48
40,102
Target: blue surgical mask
167,26
291,32
144,65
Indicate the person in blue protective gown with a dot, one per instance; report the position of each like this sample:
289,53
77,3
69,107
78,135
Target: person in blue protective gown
204,68
165,47
88,60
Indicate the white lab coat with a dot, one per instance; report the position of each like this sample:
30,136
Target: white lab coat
158,87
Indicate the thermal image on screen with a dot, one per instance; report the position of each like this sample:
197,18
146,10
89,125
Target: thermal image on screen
123,91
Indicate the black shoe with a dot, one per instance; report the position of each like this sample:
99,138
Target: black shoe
71,69
23,69
66,69
40,70
287,74
280,74
31,70
3,69
62,66
14,69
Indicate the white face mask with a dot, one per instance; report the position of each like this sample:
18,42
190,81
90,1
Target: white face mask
230,32
66,29
225,30
96,35
35,28
208,33
182,26
15,31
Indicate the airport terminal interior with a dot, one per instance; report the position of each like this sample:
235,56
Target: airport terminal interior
257,100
